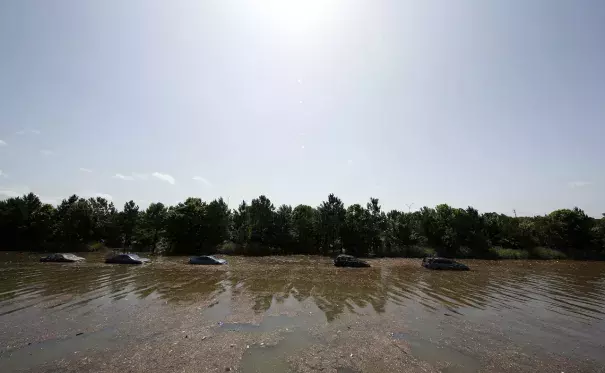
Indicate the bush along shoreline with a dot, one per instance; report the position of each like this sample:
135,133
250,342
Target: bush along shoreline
259,228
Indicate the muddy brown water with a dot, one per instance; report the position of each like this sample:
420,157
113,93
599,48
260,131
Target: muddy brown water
290,314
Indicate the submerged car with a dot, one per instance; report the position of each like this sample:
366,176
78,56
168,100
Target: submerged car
206,259
443,263
126,259
349,261
62,258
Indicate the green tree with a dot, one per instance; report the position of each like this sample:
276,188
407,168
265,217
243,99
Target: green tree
185,227
357,231
217,223
569,230
196,227
129,219
26,223
377,227
105,223
331,215
74,223
241,229
304,229
262,216
154,220
283,229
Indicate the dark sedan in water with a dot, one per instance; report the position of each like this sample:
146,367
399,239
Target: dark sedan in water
206,259
349,261
443,263
62,258
126,259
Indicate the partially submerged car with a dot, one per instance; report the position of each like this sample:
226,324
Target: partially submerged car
349,261
206,259
126,259
443,263
62,258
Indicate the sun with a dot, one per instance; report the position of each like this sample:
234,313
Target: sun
298,15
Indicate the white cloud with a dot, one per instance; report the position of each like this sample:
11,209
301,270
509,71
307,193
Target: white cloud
104,195
50,200
89,194
46,152
202,180
2,143
9,193
579,184
123,177
28,132
132,176
85,169
13,191
164,177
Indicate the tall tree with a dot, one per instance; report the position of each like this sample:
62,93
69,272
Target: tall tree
129,220
331,219
304,229
283,229
217,222
262,221
185,227
153,221
241,224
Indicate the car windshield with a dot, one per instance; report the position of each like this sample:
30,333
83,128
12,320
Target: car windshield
134,256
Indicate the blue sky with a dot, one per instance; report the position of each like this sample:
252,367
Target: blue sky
495,104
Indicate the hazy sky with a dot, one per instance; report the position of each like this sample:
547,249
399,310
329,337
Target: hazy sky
495,104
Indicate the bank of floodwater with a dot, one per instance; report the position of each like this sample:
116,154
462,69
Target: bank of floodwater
300,313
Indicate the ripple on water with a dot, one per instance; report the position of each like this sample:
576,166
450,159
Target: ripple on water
530,303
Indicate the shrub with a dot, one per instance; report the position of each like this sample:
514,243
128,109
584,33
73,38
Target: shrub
96,246
547,253
498,252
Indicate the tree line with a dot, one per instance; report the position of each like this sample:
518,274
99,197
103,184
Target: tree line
259,228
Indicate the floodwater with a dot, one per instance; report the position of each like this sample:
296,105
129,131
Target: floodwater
300,314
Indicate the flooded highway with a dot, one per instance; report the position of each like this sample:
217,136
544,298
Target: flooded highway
300,314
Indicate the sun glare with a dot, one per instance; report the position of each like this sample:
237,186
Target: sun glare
298,15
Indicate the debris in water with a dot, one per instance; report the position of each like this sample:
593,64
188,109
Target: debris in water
204,337
79,333
232,345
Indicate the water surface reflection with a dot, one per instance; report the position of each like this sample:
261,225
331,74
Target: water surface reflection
557,305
